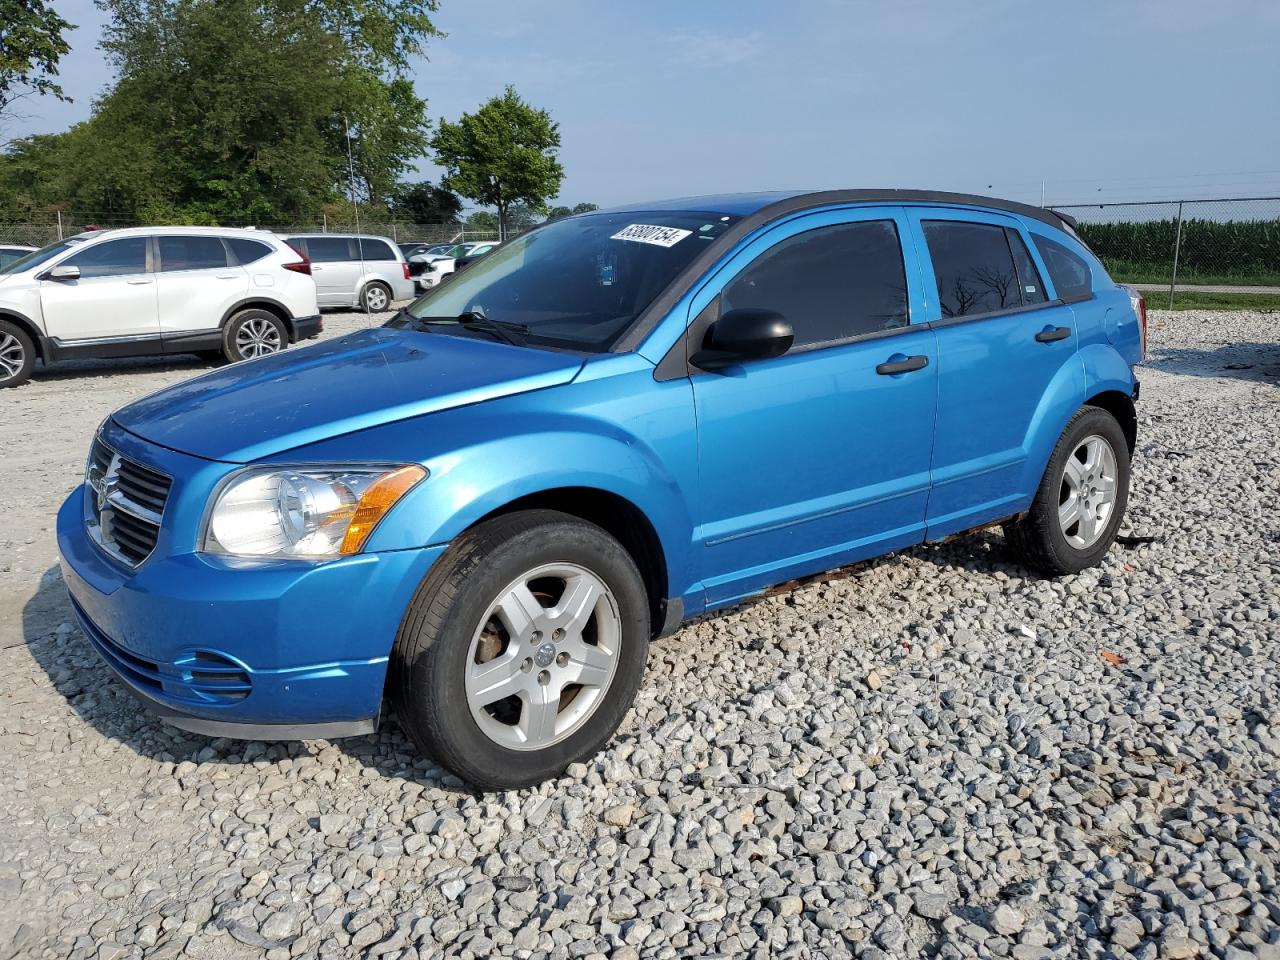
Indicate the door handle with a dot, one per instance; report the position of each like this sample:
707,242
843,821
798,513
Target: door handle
138,283
1050,334
315,269
902,364
225,276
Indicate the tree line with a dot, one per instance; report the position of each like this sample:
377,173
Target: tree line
265,111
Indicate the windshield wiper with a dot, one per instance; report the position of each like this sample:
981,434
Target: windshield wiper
511,333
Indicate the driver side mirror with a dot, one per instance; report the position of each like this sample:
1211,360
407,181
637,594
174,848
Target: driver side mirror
63,273
741,335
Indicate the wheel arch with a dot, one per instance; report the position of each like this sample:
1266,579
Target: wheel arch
28,327
1120,405
616,516
275,307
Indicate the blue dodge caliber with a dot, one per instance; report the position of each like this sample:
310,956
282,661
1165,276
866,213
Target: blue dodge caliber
483,511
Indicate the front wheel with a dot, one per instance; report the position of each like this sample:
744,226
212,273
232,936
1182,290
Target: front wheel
522,650
1081,499
17,355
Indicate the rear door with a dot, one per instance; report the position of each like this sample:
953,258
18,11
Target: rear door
1008,366
819,456
336,268
198,281
114,300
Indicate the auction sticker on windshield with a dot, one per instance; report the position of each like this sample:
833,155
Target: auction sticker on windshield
647,233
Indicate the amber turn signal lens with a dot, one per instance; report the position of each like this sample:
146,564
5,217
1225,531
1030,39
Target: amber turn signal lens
381,496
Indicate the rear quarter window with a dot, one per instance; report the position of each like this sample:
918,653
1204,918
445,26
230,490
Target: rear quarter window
376,250
1070,273
248,251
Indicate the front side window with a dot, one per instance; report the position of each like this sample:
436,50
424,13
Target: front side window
577,283
973,266
191,253
329,249
114,258
1072,279
831,284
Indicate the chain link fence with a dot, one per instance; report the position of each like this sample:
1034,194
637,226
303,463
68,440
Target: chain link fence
47,228
1232,243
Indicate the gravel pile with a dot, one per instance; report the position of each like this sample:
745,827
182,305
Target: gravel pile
933,754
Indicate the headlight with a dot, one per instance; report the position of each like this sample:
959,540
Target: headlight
305,512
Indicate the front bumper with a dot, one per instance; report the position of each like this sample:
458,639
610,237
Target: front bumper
226,647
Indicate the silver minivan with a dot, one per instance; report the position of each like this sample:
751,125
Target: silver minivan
353,270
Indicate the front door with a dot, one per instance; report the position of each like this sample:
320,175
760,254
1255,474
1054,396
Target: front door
113,301
821,456
1007,366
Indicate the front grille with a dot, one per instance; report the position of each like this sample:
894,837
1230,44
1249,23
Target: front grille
129,502
201,677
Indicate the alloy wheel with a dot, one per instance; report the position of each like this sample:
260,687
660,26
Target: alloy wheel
257,337
12,356
1087,497
543,657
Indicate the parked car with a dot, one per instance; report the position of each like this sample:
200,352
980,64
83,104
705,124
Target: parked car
411,250
356,271
473,255
11,252
149,290
485,510
436,269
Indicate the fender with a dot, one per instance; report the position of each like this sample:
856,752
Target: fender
466,485
636,444
38,339
1105,369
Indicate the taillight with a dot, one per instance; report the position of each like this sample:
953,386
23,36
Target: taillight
302,266
407,276
1139,303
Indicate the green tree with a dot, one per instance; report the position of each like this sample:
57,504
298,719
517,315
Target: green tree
585,207
32,42
556,213
503,154
482,221
425,203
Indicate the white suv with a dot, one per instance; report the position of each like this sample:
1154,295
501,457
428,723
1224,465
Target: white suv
149,290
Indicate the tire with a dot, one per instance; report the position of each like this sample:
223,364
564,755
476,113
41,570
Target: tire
1046,539
375,297
253,333
452,629
17,355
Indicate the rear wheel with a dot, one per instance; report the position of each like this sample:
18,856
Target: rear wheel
1081,499
523,649
253,333
376,297
17,355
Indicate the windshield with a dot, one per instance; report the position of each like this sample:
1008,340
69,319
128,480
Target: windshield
578,283
37,257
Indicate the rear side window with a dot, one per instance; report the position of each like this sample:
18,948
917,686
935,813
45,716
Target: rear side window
247,251
115,258
831,284
973,266
329,249
191,253
1071,276
376,250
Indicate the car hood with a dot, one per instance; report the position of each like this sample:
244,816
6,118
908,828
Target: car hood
266,406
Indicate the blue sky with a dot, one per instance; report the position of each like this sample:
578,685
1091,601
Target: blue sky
1149,99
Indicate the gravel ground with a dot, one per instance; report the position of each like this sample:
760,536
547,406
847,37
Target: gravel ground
932,754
